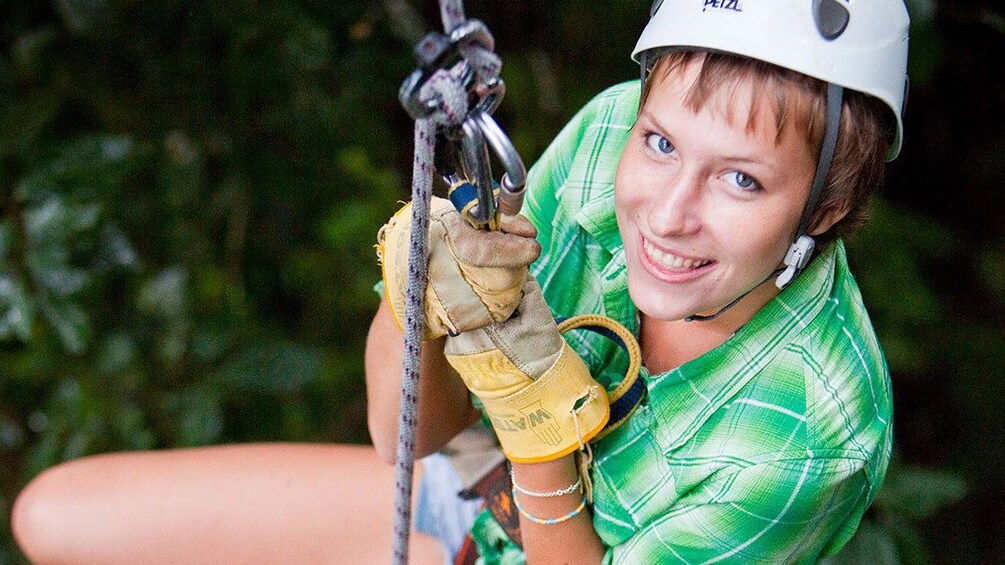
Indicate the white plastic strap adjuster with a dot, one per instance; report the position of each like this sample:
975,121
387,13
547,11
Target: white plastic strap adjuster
796,259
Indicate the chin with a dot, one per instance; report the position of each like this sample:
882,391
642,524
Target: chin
658,304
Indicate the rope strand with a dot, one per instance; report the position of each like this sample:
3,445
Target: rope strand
447,89
425,131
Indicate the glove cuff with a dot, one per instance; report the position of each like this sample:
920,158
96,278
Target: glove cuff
552,416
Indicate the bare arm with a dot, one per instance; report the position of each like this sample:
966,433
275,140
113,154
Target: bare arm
249,503
571,541
444,403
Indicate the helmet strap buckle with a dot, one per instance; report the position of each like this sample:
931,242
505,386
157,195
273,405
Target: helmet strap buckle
796,259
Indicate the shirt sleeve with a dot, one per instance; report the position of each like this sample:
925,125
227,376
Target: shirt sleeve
777,512
550,172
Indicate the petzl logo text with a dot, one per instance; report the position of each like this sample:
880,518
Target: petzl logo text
731,5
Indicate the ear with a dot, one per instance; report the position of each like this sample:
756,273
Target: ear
827,220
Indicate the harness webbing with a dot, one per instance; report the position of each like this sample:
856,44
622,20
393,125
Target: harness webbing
445,91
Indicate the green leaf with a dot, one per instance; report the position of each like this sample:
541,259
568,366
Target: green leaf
58,280
273,367
926,54
991,267
82,16
12,435
871,544
164,295
196,416
358,167
910,543
917,493
116,352
907,311
28,53
22,122
115,250
84,167
70,322
48,224
344,224
17,309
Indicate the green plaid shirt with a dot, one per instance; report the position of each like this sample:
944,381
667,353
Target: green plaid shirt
768,448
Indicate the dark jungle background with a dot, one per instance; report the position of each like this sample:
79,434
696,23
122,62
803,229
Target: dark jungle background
190,192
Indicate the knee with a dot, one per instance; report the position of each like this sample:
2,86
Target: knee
425,549
37,515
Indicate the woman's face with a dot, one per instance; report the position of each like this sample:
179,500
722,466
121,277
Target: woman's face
706,206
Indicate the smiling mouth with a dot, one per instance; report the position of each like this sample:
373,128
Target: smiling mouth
671,261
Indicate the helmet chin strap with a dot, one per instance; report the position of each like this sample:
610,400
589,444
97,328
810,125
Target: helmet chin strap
700,318
801,250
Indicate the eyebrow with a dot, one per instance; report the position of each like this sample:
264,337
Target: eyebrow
650,118
750,161
645,114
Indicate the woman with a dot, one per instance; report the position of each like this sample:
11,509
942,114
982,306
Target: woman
703,213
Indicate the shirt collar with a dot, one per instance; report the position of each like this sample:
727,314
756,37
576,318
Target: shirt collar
689,394
597,217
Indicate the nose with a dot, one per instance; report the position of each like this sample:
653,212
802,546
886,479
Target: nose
676,206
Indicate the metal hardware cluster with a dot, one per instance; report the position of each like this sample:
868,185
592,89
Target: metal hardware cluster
462,151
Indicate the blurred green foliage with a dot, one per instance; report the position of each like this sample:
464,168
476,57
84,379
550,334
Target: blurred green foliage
190,193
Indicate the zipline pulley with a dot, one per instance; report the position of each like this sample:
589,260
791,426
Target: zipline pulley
467,171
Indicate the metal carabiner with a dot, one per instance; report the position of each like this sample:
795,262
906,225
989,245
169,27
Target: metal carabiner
479,132
437,51
472,186
514,179
473,31
476,167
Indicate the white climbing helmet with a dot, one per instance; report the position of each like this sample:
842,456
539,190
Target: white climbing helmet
857,44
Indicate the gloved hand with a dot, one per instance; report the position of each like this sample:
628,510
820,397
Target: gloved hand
539,394
475,276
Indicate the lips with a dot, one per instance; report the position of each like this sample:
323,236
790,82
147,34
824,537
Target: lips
670,267
671,261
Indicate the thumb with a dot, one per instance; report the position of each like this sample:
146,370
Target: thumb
517,224
531,339
500,249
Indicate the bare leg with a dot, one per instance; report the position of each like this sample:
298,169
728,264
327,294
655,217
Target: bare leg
260,503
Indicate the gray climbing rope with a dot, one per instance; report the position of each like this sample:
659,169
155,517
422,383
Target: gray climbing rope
414,323
438,98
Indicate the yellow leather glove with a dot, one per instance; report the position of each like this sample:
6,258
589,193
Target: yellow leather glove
475,276
538,393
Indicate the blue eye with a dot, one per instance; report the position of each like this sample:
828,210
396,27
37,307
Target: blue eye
660,144
743,181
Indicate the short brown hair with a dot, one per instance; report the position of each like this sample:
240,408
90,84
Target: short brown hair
799,102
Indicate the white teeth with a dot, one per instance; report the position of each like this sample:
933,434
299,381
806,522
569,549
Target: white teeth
669,260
